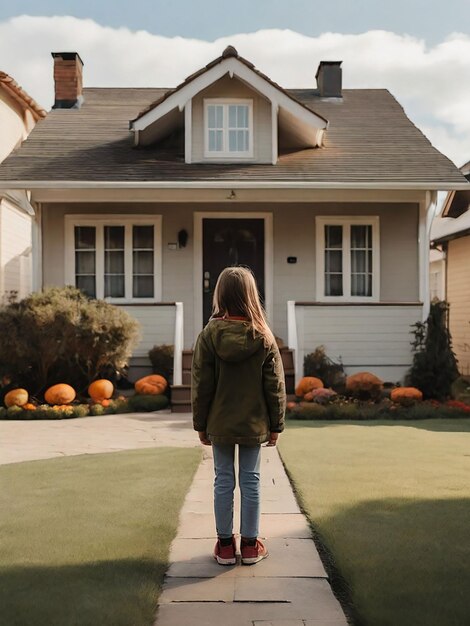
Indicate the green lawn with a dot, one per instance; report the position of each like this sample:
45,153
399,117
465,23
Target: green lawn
391,502
84,540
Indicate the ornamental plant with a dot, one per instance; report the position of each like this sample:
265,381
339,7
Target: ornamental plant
60,336
434,367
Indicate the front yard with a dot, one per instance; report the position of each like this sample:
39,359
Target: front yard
85,539
391,502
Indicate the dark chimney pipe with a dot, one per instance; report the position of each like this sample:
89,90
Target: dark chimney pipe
329,79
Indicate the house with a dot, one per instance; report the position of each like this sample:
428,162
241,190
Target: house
142,196
19,113
450,241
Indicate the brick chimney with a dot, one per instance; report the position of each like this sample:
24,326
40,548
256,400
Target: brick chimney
68,80
329,79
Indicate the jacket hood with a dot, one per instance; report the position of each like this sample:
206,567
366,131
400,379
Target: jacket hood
233,340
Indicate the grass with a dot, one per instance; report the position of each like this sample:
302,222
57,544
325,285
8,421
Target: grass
391,504
85,539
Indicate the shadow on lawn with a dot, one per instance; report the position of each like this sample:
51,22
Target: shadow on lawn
454,425
108,593
405,562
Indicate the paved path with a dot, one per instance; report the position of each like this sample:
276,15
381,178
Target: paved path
27,440
289,588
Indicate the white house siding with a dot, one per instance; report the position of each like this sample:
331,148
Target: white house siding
293,235
458,296
15,250
233,88
12,125
365,338
157,326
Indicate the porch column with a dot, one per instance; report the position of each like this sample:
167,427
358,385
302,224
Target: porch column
178,345
427,209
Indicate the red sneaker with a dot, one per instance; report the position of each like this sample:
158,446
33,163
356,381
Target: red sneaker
225,555
253,554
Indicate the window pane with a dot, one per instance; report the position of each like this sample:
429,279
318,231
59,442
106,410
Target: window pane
142,237
211,116
333,285
87,284
333,236
360,236
114,286
232,140
361,260
232,116
219,119
143,287
358,261
242,116
85,237
143,262
333,261
114,237
114,262
84,262
215,140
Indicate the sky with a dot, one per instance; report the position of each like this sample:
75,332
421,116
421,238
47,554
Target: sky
418,49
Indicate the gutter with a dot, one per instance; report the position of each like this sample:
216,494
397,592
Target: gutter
228,184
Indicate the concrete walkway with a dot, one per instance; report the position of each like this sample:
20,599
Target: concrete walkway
289,588
28,440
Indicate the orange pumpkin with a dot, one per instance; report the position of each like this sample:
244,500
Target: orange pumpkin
60,394
105,402
152,385
101,390
29,406
406,395
307,384
16,397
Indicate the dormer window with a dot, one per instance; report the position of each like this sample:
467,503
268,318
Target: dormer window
228,131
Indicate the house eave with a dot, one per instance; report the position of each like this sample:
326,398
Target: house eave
231,184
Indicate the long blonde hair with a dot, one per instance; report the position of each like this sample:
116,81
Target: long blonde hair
236,294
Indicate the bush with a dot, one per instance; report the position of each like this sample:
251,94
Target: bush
320,366
364,386
60,336
434,367
161,358
147,403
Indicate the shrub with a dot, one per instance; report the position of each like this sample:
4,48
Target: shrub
147,403
406,396
161,358
318,364
364,386
59,335
434,367
306,385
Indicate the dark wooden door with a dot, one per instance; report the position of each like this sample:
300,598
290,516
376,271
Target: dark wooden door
228,242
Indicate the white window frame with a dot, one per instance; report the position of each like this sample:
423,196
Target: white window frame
99,222
347,222
225,153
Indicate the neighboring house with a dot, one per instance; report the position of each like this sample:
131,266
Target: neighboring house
326,193
450,240
19,113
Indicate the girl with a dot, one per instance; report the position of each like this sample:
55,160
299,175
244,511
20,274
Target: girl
238,397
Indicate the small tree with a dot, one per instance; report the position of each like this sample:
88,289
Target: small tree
59,335
434,367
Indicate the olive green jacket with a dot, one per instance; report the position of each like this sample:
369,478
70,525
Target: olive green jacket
238,389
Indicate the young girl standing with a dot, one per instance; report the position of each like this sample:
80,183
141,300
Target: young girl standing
238,398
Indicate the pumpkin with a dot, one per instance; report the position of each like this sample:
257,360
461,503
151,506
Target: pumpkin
406,396
60,394
307,384
105,402
29,406
16,397
101,390
152,385
364,385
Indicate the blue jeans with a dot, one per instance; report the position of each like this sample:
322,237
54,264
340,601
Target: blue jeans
249,458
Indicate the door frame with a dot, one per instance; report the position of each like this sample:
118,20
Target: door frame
198,258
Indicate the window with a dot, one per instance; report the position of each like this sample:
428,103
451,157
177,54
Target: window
347,258
228,128
116,259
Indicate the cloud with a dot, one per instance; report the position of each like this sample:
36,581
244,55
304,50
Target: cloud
432,83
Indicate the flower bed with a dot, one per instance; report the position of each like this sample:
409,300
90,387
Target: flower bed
343,408
133,404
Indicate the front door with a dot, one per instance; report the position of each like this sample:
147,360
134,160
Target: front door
228,242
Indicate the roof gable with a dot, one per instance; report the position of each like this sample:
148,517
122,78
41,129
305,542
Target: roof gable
307,125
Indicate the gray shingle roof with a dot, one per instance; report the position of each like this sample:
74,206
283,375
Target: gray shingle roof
369,140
